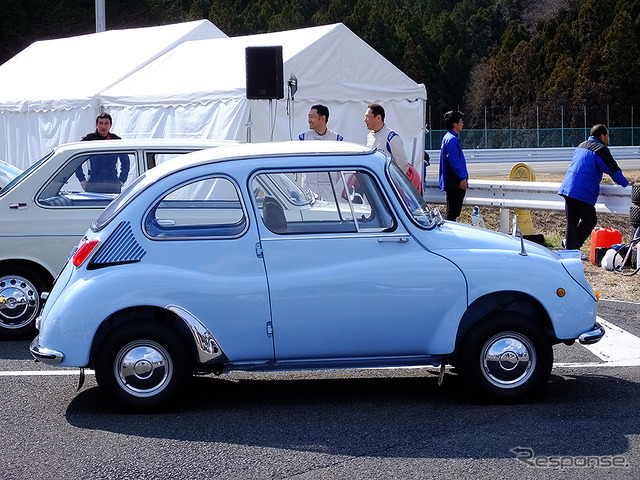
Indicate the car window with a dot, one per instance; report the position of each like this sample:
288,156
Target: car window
25,173
321,202
157,158
7,173
208,207
90,180
411,200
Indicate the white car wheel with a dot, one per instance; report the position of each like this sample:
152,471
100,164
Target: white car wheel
19,303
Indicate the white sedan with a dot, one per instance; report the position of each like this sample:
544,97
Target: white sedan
47,208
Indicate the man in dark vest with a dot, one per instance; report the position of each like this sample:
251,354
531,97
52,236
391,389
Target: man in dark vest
103,175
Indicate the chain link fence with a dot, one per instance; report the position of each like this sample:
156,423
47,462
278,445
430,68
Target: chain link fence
532,138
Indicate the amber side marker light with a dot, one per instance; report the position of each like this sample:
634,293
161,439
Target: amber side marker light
83,252
560,292
597,294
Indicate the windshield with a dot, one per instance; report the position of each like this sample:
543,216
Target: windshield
414,204
25,174
8,173
121,200
291,190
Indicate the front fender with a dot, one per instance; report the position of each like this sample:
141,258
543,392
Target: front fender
570,307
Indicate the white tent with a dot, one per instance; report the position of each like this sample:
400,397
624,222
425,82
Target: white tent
198,90
50,92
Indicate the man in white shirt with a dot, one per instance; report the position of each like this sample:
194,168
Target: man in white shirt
318,118
385,139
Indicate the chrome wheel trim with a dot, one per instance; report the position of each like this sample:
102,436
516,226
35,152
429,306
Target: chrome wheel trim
19,302
143,368
508,360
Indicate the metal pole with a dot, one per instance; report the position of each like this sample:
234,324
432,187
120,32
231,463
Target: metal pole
486,140
538,124
101,23
510,129
632,126
562,125
430,130
584,109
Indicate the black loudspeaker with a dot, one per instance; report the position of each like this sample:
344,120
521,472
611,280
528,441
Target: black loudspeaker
264,72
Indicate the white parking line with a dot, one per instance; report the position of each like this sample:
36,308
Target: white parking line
618,348
44,373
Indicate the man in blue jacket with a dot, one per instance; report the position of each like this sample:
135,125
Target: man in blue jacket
581,185
453,167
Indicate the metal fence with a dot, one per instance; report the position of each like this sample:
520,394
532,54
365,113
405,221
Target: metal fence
528,195
532,138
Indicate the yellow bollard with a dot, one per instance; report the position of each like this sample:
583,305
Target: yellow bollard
522,172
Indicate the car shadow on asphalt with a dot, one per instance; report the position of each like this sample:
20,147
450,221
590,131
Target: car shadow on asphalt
395,417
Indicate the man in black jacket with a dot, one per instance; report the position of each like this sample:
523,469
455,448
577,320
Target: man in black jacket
103,176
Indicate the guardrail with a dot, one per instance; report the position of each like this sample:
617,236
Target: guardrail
528,195
499,155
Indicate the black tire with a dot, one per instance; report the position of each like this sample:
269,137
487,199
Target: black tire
142,365
20,290
506,357
634,215
635,194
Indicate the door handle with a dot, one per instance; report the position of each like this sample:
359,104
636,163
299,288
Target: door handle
397,239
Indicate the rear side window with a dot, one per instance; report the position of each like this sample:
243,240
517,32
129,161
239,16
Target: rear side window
209,207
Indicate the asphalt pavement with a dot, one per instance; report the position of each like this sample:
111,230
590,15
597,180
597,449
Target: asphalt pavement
373,424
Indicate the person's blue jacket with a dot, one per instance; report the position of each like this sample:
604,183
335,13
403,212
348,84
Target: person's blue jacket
453,167
590,161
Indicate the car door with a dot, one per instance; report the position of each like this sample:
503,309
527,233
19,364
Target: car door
201,232
346,279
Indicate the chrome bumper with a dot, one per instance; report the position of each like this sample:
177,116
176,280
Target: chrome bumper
44,355
592,336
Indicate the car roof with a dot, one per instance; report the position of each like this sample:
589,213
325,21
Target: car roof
149,143
263,150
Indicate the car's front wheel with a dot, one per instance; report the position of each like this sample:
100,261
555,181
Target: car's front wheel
142,365
19,303
506,357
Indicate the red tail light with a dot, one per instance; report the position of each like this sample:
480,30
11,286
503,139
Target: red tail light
83,252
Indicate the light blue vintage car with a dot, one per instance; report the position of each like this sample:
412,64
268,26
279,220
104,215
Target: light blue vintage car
303,255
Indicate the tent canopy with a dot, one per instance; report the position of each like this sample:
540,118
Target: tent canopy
189,80
70,72
50,92
330,62
199,89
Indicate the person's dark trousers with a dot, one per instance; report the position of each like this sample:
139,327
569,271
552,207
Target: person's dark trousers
455,197
581,219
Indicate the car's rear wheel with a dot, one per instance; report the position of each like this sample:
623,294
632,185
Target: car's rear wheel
635,194
506,357
634,215
142,365
19,302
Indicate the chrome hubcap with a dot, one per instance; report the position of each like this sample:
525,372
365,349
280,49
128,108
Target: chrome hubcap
143,368
19,302
508,359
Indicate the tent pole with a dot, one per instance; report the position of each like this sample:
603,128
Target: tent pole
249,125
101,23
270,120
